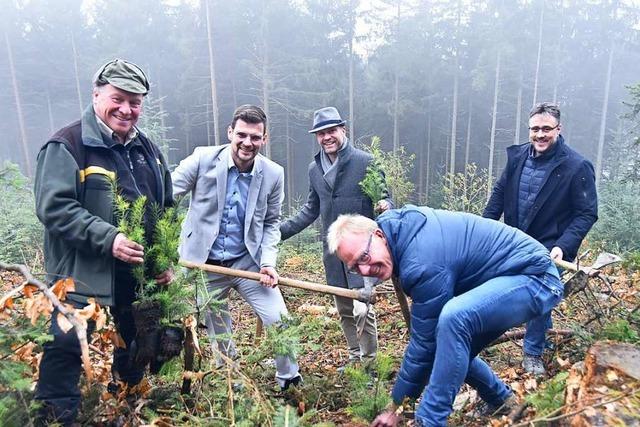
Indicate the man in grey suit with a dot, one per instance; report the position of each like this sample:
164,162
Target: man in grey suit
334,177
233,219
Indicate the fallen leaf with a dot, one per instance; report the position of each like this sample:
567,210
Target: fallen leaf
612,375
29,290
116,339
313,309
62,287
516,387
162,422
142,388
64,323
510,373
590,411
194,376
100,318
531,384
25,351
563,363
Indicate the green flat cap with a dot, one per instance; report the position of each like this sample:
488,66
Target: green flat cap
123,75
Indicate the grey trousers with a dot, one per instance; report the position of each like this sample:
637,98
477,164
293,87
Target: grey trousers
265,302
351,311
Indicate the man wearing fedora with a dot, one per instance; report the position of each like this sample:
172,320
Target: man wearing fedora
334,177
74,202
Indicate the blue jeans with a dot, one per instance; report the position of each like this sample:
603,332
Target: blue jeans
471,321
535,335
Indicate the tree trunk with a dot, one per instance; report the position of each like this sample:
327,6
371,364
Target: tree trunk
421,168
494,115
187,131
19,112
52,128
290,163
535,81
516,136
264,32
618,155
396,97
428,172
454,108
351,29
77,75
603,119
208,124
212,78
454,120
161,111
467,146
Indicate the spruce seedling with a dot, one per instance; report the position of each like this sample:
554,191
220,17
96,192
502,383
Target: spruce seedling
373,184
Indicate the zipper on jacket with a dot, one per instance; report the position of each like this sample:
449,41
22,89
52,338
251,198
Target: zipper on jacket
133,177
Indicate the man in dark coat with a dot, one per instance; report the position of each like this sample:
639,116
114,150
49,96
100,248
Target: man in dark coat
334,177
74,202
469,278
548,191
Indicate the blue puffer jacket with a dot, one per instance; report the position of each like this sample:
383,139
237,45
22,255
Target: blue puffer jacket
438,255
534,171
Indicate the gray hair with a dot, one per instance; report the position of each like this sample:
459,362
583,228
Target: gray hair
546,108
348,224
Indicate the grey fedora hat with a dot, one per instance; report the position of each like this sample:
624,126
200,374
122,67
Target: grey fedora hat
325,118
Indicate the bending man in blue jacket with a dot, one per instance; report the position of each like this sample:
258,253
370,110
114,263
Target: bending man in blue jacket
470,280
548,191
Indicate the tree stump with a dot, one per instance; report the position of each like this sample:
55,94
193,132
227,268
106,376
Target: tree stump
604,390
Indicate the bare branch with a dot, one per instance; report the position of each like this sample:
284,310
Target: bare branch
70,314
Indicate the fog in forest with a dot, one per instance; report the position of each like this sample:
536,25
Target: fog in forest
450,81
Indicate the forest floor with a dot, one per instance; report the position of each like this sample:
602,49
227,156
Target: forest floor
245,392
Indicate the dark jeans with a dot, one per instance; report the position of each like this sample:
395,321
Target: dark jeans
61,366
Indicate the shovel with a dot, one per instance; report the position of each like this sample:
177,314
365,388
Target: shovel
578,281
365,295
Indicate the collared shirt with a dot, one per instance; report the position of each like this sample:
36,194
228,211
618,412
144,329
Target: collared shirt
109,133
230,241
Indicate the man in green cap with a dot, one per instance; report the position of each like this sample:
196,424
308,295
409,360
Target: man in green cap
74,202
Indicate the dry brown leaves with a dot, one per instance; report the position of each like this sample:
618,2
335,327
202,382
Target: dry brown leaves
29,301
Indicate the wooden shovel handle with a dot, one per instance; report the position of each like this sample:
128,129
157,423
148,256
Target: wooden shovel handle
309,286
574,267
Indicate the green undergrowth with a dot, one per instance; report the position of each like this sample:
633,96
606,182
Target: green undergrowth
16,404
550,396
368,384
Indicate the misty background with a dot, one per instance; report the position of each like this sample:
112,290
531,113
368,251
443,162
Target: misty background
450,81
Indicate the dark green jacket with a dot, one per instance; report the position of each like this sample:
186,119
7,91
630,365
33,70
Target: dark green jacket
74,201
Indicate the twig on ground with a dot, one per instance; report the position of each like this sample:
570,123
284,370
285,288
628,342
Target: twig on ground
547,418
519,333
80,329
97,350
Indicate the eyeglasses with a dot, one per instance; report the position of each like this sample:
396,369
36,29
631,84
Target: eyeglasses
544,129
363,259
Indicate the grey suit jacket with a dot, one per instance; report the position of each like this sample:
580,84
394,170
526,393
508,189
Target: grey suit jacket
204,174
345,197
